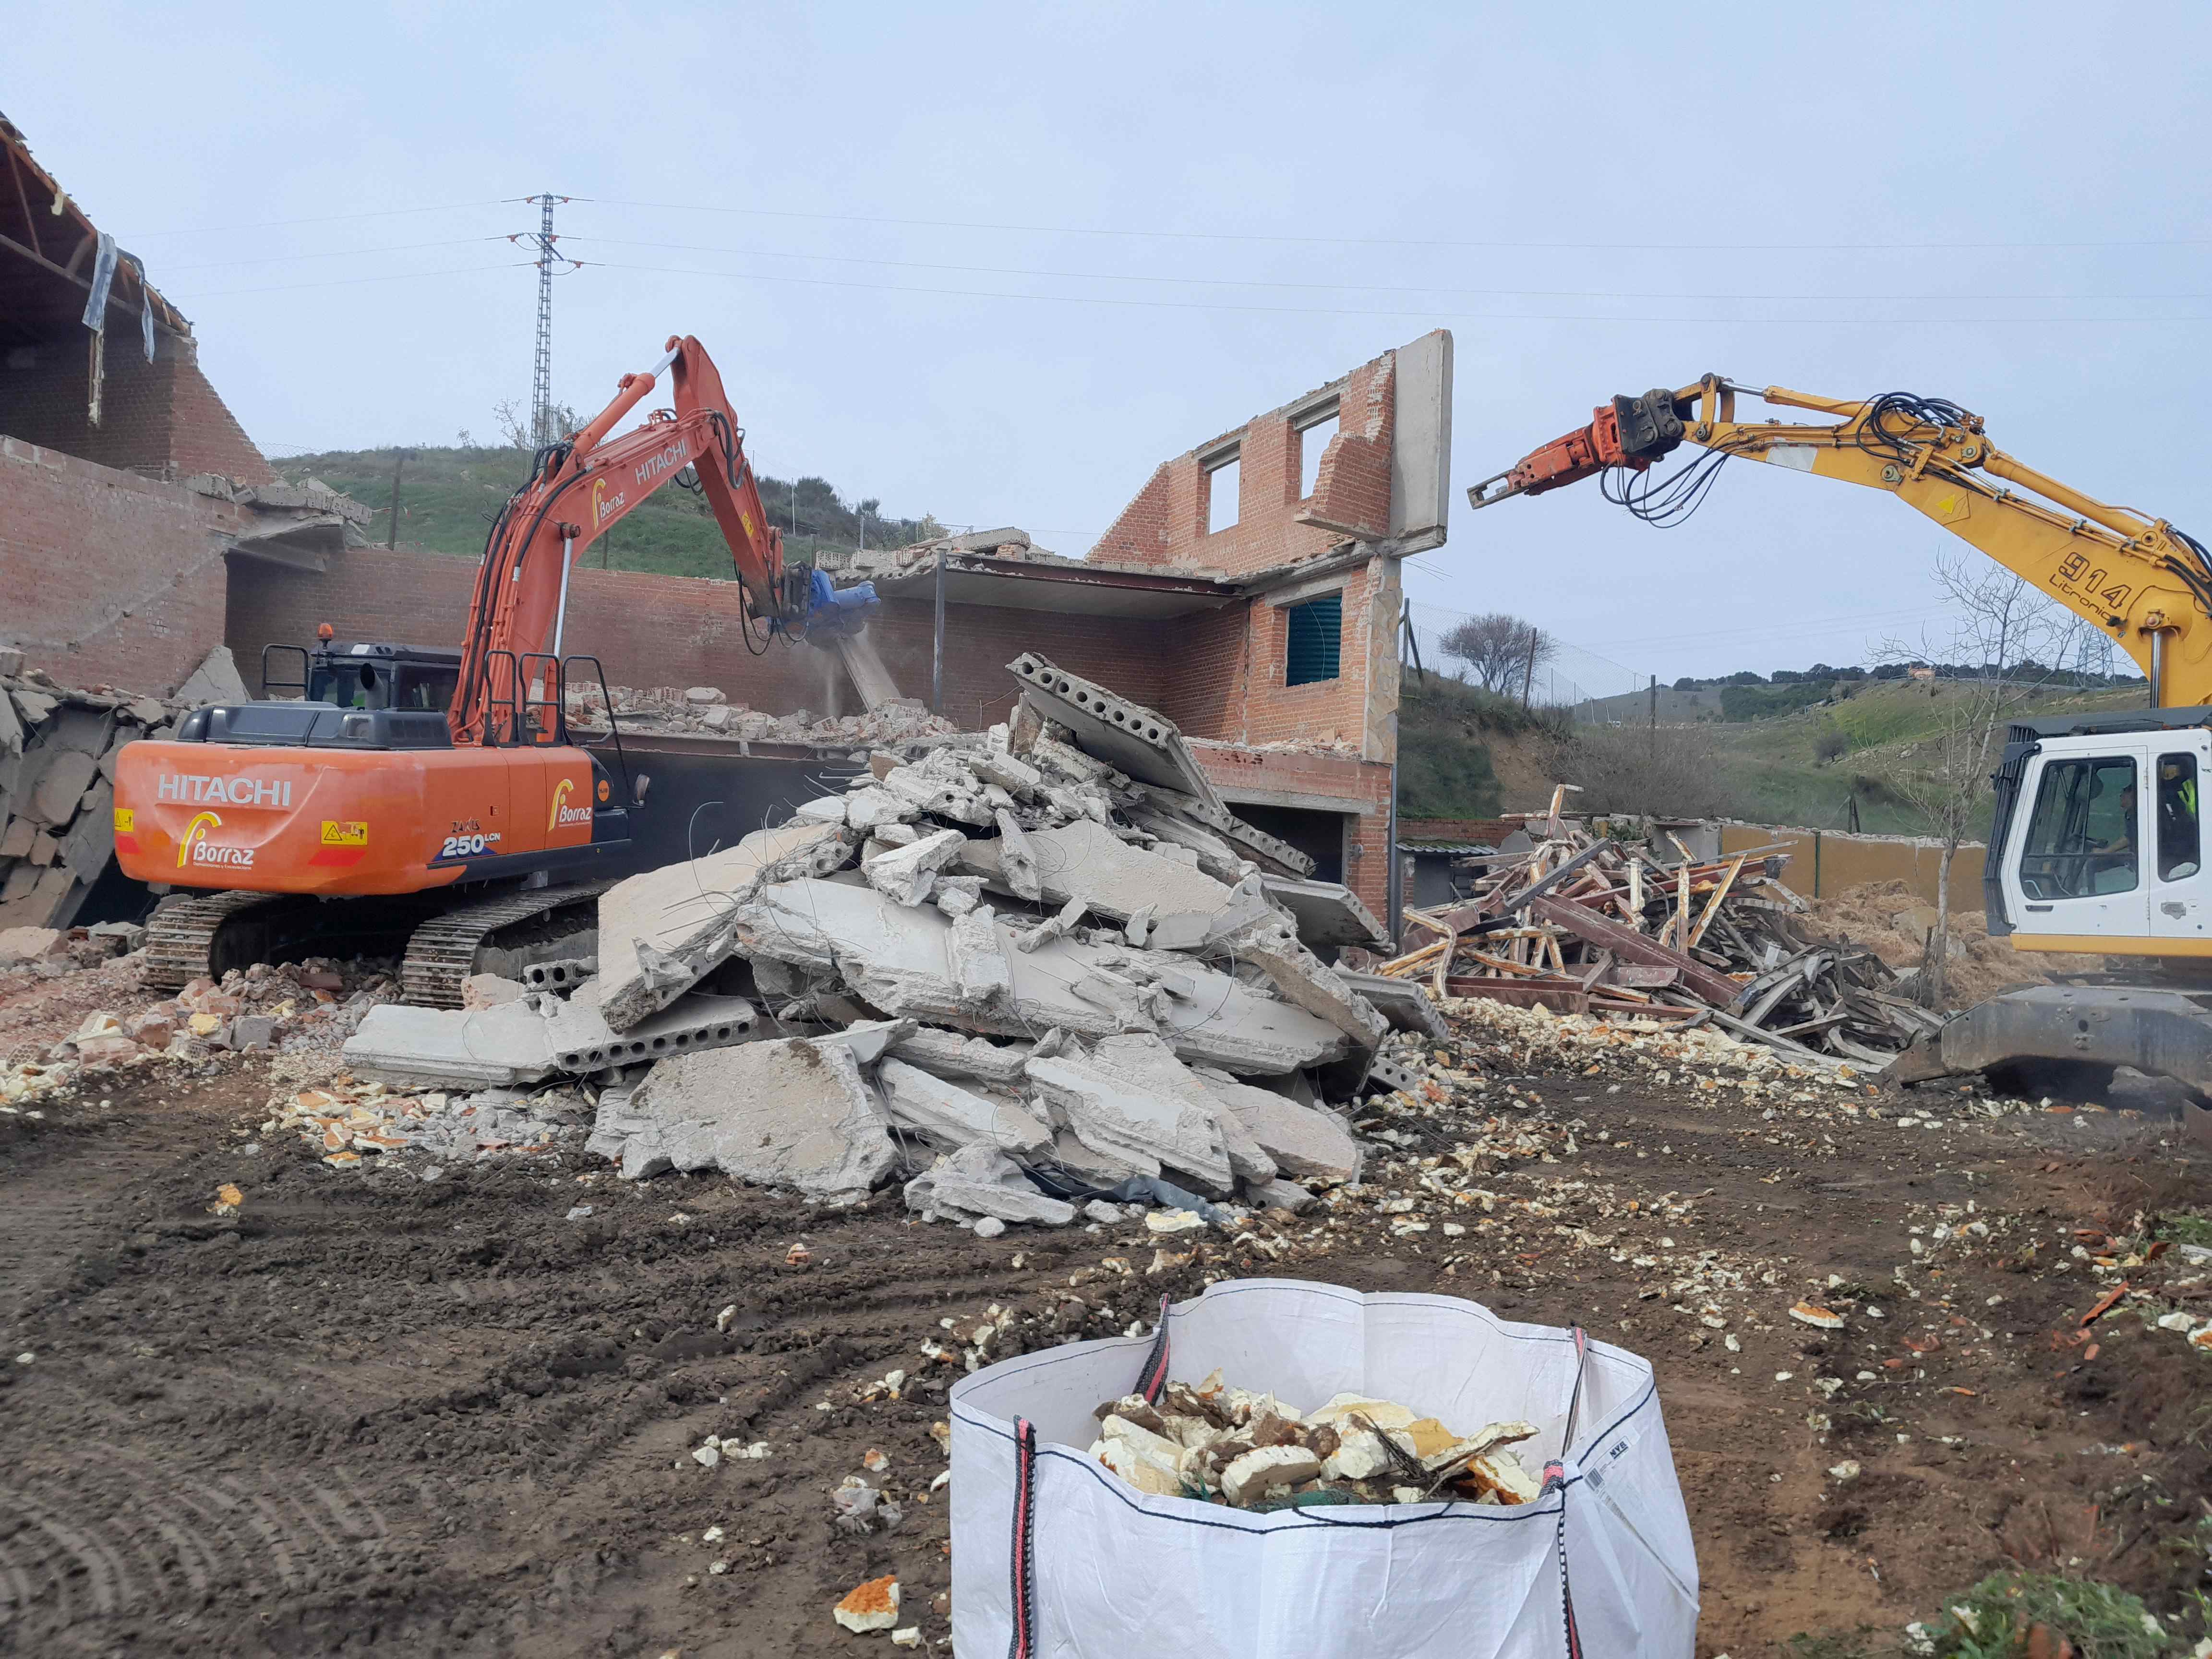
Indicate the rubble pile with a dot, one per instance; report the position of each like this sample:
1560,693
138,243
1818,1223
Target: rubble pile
1034,975
703,709
348,1119
303,1008
58,747
1251,1452
1579,924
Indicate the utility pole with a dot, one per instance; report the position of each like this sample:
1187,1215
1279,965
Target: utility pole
1529,674
1655,708
541,377
399,460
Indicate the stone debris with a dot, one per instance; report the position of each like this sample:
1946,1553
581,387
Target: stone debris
1252,1452
999,970
58,748
872,1606
707,711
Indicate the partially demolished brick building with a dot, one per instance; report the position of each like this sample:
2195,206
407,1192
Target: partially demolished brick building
1249,592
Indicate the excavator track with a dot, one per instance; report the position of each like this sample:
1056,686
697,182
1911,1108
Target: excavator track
180,937
442,953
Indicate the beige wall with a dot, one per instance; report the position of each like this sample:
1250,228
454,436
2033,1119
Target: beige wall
1843,861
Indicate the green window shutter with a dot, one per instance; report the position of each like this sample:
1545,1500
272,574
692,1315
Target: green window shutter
1316,627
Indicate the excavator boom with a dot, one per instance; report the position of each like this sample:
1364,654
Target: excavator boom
2139,580
580,489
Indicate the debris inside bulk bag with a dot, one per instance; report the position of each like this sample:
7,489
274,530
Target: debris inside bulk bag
1252,1452
1339,1509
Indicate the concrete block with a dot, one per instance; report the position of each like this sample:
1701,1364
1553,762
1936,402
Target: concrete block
44,849
16,843
949,1054
782,1113
63,779
250,1031
28,943
868,808
1089,862
216,680
583,1042
1280,1194
1301,1140
951,1117
1128,735
907,875
1304,979
937,796
1130,1099
90,842
490,990
662,929
981,1180
1404,1002
902,963
562,974
1015,865
12,735
1327,913
33,897
869,1040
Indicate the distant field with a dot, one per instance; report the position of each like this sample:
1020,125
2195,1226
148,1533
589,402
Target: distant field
449,497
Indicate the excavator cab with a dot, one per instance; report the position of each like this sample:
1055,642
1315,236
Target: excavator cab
350,674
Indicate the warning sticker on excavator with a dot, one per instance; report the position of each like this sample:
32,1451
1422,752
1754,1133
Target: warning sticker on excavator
126,821
349,833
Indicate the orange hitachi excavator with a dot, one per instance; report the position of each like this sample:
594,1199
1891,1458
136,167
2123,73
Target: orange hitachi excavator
448,797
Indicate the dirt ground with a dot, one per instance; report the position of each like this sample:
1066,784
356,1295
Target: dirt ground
366,1413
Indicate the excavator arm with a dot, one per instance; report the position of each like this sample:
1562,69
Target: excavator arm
2141,581
581,488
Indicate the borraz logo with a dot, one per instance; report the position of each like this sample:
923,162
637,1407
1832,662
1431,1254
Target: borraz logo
194,847
604,506
231,792
563,813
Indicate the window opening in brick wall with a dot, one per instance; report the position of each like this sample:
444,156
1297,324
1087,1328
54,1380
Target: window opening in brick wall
1315,630
1312,442
1221,485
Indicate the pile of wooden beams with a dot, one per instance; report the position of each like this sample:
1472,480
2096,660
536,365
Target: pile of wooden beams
1580,923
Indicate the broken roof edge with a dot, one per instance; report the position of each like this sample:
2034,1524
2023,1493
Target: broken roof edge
65,207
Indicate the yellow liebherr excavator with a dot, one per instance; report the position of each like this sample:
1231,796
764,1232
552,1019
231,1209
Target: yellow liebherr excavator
2096,842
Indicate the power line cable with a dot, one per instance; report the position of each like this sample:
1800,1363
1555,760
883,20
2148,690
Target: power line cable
1699,247
325,219
1365,287
350,282
1947,321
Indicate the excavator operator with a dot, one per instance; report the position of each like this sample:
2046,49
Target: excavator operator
2178,848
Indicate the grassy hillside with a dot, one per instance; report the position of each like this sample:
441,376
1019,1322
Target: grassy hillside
448,498
1467,754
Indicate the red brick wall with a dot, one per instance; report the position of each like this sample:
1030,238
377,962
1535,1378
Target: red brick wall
1491,830
684,630
1165,525
106,577
1355,782
161,418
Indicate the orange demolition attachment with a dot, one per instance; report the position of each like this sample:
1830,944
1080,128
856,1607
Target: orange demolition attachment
414,792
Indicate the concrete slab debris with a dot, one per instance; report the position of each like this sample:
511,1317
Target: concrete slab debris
1134,740
907,875
216,680
952,1117
1087,860
981,1180
1327,913
1404,1002
531,1037
781,1113
949,1054
662,929
1130,1099
1303,1141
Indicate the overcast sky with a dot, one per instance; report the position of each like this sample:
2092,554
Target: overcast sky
995,263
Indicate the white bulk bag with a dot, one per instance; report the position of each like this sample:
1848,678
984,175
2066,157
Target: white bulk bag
1601,1563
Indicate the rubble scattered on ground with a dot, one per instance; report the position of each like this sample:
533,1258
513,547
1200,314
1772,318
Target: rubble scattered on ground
1581,924
706,711
1251,1452
72,1006
1026,984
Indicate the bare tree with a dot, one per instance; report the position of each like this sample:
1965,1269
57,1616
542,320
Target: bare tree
2012,631
1497,647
